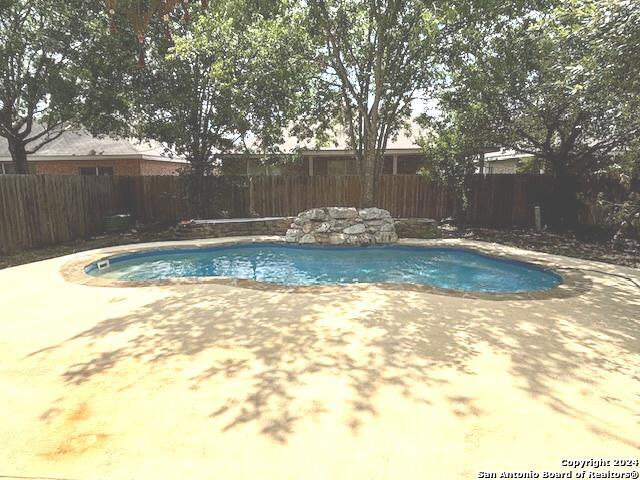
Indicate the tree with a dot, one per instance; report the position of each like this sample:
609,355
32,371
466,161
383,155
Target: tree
262,61
536,82
182,100
375,59
44,55
454,144
229,73
612,27
540,88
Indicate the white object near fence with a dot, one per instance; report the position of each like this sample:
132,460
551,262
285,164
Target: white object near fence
537,218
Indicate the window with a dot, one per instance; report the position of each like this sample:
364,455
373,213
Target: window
274,170
7,169
408,165
352,166
320,166
99,171
336,166
387,166
256,168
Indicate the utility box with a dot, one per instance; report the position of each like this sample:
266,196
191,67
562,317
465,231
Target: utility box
117,223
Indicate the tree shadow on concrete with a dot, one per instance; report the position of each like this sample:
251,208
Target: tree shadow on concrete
370,338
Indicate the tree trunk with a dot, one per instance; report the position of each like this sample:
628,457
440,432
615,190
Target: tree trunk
200,189
565,193
18,155
367,197
369,173
195,188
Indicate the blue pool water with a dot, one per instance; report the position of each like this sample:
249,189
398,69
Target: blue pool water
449,268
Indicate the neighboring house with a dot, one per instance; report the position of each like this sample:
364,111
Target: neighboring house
403,156
508,161
78,153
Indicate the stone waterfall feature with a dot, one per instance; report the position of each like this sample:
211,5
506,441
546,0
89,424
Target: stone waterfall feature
343,226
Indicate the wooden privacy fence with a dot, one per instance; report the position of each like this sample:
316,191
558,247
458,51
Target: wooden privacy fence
40,210
402,195
46,210
37,210
509,200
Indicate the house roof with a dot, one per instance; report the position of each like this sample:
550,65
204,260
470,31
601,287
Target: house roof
81,145
404,142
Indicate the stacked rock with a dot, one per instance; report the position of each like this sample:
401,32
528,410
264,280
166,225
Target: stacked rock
343,226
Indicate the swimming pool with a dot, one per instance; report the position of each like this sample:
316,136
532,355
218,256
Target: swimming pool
448,268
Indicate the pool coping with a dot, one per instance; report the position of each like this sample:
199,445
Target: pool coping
573,282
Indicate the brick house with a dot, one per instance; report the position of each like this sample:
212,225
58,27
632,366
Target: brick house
76,152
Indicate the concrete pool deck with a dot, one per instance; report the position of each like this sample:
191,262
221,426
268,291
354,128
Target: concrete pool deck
359,382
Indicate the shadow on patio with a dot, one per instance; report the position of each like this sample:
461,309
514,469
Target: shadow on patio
369,338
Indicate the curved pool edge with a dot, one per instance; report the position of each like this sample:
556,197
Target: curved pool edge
573,282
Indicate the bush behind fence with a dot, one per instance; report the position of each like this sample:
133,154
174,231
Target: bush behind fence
37,210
